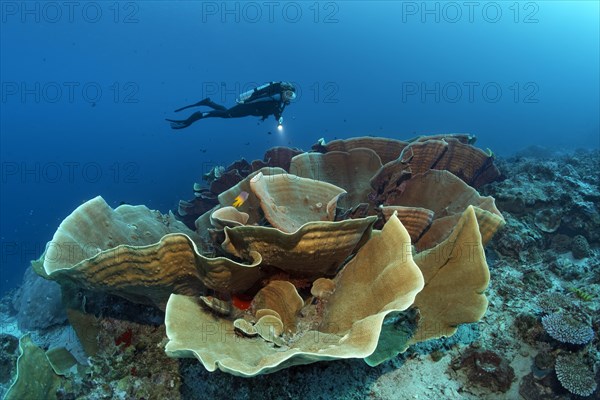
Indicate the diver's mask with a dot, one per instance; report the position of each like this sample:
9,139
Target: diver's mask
288,95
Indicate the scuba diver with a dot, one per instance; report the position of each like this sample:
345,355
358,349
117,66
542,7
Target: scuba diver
268,99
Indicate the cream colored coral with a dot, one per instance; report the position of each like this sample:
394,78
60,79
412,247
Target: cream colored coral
381,279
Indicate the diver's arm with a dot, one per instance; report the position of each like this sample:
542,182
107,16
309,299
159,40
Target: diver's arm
278,114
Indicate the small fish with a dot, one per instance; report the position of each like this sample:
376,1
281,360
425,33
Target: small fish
240,199
583,295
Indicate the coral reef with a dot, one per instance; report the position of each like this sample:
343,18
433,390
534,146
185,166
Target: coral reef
37,294
575,375
487,369
343,330
546,190
567,329
580,247
35,378
385,263
220,179
9,346
547,253
144,257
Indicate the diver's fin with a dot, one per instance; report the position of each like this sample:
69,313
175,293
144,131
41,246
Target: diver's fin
203,102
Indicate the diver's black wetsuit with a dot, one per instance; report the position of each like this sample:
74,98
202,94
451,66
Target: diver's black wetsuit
264,101
258,109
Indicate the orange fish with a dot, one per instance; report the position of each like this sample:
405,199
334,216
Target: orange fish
240,199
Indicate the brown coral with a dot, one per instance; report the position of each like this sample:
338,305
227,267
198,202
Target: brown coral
146,257
472,165
289,201
487,369
349,170
423,190
387,149
575,375
383,265
416,220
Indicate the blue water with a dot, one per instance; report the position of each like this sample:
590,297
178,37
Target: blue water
86,87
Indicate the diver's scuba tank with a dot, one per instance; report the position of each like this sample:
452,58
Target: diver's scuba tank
256,93
267,90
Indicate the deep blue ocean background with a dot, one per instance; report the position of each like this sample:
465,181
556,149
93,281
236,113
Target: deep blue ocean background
86,88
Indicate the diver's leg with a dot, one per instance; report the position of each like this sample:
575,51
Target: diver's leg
204,102
244,110
184,123
180,124
208,102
